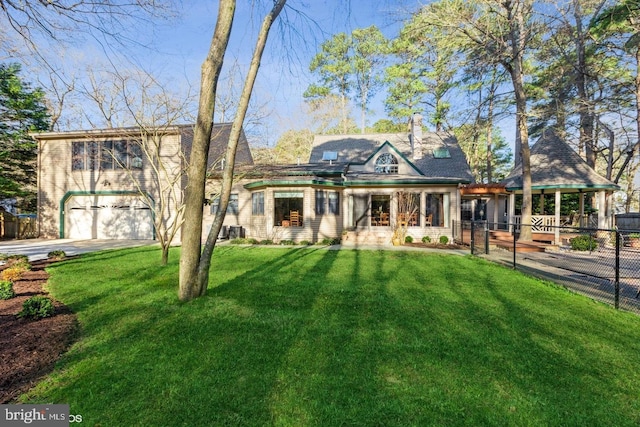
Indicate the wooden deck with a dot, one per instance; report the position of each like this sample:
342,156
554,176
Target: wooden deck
504,240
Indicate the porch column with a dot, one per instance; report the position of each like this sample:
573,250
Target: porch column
542,212
557,219
581,208
496,201
602,209
512,211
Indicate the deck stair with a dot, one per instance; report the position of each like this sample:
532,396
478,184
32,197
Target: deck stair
504,239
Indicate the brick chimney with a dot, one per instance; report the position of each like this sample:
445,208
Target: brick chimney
416,136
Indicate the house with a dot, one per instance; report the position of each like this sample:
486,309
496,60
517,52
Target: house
101,184
108,183
350,189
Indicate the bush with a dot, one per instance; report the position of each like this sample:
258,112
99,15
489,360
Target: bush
37,307
426,239
57,254
444,240
15,272
306,242
241,241
266,242
408,239
328,241
584,242
6,290
17,258
287,242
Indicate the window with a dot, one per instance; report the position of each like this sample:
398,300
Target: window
380,210
106,155
288,208
232,207
327,202
409,208
257,203
84,155
334,203
386,163
320,197
437,208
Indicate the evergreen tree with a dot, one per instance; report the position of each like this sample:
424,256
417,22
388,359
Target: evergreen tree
22,110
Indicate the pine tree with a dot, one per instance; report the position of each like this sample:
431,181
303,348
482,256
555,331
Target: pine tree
22,110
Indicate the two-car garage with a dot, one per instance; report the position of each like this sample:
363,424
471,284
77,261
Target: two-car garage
106,216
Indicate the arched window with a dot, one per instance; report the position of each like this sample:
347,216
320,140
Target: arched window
387,163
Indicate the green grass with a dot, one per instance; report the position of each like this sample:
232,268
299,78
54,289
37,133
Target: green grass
312,337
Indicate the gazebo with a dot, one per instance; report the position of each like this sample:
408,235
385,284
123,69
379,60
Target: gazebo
556,169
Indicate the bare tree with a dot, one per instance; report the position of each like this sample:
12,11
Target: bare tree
135,100
194,264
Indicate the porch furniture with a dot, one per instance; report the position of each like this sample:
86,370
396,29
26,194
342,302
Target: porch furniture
428,220
286,223
384,219
294,218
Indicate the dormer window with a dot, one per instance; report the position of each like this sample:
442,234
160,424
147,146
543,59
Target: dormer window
387,163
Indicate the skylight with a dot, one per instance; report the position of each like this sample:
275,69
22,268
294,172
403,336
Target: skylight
441,153
330,155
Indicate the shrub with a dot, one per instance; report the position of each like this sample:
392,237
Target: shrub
306,242
240,241
6,290
266,242
17,258
444,240
57,254
408,239
37,307
328,241
15,272
287,242
584,242
426,239
252,241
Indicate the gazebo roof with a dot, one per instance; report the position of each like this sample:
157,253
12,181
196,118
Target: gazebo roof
556,166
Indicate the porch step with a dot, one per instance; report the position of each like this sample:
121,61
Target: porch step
366,237
522,246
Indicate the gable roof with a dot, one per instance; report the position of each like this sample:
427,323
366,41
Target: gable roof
555,165
358,149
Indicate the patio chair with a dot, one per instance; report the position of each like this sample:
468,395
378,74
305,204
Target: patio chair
294,218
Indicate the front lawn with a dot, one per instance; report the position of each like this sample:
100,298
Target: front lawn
314,337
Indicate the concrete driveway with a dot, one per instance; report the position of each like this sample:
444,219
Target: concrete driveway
37,249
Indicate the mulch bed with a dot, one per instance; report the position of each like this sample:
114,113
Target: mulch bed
29,349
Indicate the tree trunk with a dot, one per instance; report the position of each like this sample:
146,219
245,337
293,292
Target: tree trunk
194,265
518,41
189,286
234,137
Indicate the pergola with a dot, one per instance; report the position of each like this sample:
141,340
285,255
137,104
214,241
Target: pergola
556,169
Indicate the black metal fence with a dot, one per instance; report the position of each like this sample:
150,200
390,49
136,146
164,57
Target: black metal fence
603,264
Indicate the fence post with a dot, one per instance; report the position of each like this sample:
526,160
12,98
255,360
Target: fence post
473,240
514,248
617,284
486,238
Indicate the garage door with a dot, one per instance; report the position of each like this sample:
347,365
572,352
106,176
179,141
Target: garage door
108,217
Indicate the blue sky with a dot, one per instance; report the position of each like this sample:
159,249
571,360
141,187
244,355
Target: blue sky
294,40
